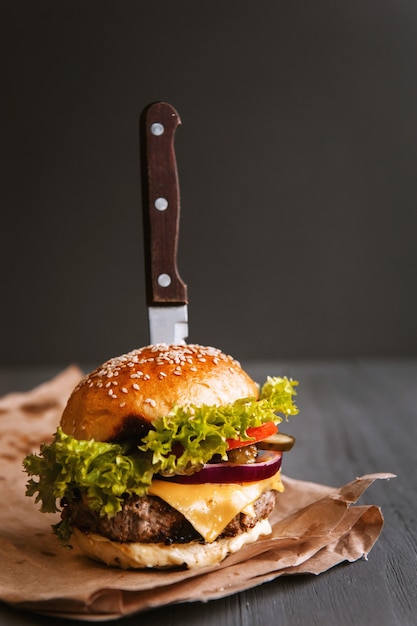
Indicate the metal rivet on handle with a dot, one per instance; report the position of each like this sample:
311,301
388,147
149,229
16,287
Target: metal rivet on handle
164,280
161,204
157,128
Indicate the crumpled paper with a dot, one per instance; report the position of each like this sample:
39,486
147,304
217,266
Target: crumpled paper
315,527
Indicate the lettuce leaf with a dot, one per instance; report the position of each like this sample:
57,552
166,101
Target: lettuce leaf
202,431
181,442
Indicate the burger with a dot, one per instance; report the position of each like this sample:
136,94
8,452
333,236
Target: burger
167,456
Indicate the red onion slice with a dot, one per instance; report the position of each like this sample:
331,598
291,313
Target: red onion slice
267,464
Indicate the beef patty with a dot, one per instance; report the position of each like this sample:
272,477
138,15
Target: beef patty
148,519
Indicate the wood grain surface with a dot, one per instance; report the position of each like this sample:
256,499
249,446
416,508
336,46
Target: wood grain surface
356,417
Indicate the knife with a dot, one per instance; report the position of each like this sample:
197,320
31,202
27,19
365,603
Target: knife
166,293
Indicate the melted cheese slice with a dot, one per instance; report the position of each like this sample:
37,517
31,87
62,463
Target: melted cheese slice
210,507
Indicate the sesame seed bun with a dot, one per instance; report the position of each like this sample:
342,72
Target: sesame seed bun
123,396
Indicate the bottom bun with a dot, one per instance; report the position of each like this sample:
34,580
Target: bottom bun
159,555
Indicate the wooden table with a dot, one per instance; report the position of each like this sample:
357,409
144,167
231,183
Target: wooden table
356,417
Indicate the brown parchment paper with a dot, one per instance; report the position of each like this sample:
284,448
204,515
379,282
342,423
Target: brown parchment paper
314,528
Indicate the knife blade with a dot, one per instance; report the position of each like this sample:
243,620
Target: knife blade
166,293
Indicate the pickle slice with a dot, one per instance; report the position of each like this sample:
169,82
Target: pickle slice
279,441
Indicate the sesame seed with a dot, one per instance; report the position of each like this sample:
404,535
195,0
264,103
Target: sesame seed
162,375
151,402
114,396
110,392
146,377
124,389
122,404
108,384
136,386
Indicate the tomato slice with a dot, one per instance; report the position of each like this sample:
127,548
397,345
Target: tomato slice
256,433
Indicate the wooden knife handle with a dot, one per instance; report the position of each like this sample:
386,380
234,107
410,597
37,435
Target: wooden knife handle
161,205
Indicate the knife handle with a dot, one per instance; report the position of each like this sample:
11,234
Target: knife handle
161,205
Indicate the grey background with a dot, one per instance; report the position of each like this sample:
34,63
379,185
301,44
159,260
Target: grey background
297,159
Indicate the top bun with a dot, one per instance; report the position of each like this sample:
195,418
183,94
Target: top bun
120,399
